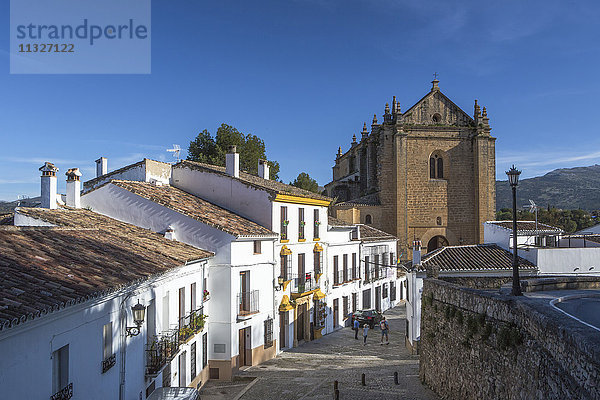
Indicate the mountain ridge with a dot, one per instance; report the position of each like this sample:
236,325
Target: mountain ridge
565,188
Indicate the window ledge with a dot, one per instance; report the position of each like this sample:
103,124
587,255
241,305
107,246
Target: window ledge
302,240
316,239
284,241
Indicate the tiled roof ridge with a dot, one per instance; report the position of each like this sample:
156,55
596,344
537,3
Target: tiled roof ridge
252,180
187,213
540,224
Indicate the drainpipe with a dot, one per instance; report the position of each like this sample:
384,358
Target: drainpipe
123,346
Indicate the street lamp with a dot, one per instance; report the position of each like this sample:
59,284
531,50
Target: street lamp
139,312
513,179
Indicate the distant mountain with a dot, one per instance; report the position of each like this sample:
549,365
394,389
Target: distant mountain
566,188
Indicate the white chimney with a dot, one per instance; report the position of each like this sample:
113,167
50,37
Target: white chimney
48,185
101,166
73,188
263,169
170,233
416,255
232,162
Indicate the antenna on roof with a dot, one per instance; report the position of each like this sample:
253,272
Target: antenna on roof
175,150
533,208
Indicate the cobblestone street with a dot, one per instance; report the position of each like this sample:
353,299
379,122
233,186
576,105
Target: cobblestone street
308,371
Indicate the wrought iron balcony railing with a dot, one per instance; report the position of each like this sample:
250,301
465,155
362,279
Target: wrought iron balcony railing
304,283
109,363
248,302
191,324
64,394
160,350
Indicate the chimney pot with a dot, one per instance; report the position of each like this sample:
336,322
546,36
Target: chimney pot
101,166
232,162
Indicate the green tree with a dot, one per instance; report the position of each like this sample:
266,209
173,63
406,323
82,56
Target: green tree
206,149
304,181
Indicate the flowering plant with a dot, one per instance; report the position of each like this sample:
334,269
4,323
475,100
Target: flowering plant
302,223
286,222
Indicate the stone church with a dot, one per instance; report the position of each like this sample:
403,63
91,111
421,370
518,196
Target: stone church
427,173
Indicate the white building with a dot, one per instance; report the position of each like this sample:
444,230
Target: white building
548,247
240,278
70,279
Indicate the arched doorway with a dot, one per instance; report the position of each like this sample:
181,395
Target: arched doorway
436,242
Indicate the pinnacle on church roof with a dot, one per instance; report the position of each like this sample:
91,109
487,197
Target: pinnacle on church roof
374,119
365,127
387,108
339,153
353,139
435,84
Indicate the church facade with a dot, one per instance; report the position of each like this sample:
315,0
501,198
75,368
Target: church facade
427,173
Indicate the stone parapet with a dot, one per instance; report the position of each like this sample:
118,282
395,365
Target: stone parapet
480,344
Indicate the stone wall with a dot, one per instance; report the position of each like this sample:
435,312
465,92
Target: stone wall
479,344
479,282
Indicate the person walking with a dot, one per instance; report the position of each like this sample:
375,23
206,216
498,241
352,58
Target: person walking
356,326
365,332
383,325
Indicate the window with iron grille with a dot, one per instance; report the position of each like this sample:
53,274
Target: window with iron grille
268,332
286,268
318,261
392,291
301,223
316,224
335,271
345,266
366,300
204,350
346,306
193,360
367,269
354,276
257,247
376,266
392,261
385,291
354,301
284,223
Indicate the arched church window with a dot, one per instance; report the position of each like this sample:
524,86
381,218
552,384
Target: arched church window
368,219
436,167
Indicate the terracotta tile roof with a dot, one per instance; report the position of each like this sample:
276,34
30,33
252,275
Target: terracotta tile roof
527,226
473,258
44,269
368,233
143,238
331,221
196,208
368,200
269,185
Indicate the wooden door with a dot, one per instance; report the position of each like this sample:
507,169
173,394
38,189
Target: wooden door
336,312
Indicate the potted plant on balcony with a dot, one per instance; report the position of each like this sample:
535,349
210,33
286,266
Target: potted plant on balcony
205,295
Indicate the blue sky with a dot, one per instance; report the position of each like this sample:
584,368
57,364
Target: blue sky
305,74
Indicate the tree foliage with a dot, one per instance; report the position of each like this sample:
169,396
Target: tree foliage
304,181
568,220
211,150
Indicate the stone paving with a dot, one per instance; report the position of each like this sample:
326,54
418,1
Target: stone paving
308,371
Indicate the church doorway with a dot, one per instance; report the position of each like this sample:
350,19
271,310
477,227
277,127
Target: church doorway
436,242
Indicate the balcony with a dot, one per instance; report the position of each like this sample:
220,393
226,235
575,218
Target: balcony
247,303
303,285
191,324
161,350
164,346
64,394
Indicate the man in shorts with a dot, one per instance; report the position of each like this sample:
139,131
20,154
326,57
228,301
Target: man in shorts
383,325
